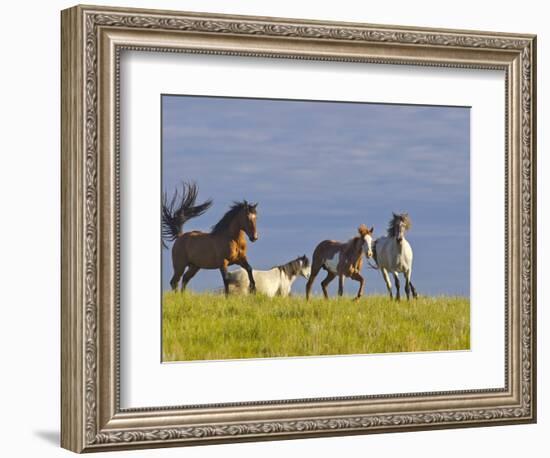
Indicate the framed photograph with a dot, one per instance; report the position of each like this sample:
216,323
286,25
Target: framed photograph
278,228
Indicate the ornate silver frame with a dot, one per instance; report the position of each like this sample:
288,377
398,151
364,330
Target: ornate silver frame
92,39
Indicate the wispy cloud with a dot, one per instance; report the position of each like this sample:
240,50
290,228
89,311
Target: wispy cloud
327,166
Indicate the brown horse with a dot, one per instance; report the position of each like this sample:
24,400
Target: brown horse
341,260
225,245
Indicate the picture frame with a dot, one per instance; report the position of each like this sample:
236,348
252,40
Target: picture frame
93,39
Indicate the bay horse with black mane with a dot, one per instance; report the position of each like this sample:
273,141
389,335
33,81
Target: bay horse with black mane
225,245
341,259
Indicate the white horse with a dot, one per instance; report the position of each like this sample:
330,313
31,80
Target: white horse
394,254
272,282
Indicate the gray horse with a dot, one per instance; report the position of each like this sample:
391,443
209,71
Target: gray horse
394,254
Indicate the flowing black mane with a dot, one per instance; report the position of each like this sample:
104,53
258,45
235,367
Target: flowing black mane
293,267
225,221
397,218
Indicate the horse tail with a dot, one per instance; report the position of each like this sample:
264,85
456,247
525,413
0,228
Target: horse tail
180,209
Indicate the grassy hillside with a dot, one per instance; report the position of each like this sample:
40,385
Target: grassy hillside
209,326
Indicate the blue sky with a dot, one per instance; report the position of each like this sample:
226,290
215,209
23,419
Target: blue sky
318,170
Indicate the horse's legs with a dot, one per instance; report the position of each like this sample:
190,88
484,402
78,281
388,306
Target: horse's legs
178,272
246,266
314,271
386,278
358,277
330,276
397,286
340,285
409,287
413,290
175,280
179,263
189,274
223,271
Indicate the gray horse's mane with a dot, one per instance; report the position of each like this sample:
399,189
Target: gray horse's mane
396,219
293,267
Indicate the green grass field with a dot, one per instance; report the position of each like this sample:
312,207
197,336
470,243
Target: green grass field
210,327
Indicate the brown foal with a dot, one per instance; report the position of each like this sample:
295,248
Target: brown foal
341,259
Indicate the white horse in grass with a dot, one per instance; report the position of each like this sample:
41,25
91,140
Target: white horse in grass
394,254
273,282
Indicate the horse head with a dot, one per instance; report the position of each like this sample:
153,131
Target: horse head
241,216
248,220
305,268
400,224
365,235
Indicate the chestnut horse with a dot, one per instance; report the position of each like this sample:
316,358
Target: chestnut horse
341,260
225,245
